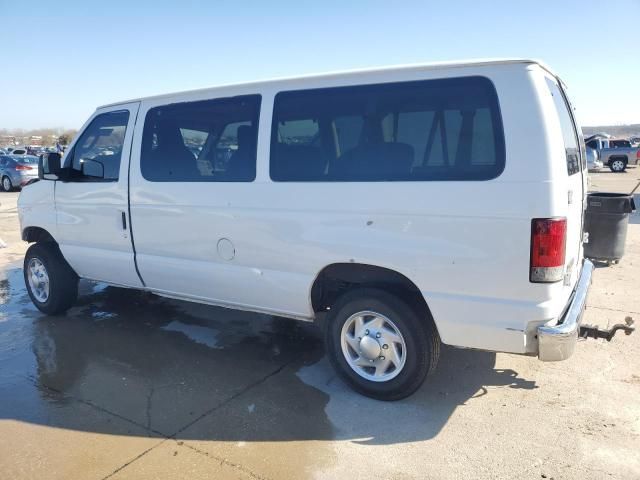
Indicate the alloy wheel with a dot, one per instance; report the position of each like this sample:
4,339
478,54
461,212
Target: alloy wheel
373,346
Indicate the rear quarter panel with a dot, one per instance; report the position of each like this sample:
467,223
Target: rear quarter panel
630,153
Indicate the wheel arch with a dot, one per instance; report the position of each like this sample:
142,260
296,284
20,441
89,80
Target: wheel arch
622,157
37,234
337,278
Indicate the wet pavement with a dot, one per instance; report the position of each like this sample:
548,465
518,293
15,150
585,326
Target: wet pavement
124,362
161,365
131,385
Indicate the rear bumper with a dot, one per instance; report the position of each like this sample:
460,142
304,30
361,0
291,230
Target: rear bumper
557,342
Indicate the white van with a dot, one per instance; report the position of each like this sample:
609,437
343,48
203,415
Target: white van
402,207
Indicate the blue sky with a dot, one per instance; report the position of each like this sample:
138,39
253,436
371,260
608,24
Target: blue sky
62,59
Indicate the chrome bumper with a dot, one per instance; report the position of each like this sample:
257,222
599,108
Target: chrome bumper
557,342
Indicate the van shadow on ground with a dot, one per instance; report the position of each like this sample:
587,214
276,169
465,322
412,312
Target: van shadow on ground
187,371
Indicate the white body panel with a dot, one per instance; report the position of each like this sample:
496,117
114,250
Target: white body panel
36,207
465,244
89,220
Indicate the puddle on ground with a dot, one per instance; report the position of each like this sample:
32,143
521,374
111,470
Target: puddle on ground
158,362
199,334
102,315
4,298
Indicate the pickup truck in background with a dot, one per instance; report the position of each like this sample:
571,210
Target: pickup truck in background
616,154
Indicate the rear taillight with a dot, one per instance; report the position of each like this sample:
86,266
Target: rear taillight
548,240
638,154
23,167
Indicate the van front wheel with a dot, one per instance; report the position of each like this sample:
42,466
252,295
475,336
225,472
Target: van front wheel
51,282
379,345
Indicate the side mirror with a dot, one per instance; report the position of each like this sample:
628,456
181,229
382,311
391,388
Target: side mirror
92,168
49,164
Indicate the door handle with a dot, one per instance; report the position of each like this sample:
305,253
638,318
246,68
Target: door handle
124,220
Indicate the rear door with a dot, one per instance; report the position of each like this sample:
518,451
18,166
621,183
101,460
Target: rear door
575,156
193,197
93,213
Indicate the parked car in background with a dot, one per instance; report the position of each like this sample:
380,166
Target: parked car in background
617,158
593,160
635,141
19,151
35,150
17,170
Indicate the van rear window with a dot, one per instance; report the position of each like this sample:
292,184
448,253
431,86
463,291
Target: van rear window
446,129
567,126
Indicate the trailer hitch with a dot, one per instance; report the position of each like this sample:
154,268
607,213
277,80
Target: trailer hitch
591,331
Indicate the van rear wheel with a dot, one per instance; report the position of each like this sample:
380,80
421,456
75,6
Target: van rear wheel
51,282
379,345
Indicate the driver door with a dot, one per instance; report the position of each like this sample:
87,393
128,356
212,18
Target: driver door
92,204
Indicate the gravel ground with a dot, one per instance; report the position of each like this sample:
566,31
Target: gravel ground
129,385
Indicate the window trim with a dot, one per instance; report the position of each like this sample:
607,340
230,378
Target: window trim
496,111
574,125
68,160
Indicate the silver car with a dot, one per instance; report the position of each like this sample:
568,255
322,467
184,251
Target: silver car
17,170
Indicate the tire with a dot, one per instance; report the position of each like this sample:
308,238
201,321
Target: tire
618,165
45,265
5,184
418,335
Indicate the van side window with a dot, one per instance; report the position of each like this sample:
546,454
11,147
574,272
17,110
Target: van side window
448,129
102,141
568,129
205,141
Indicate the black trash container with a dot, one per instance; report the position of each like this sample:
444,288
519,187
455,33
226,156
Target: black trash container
606,221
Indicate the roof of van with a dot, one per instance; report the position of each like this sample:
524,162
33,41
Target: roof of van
347,73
